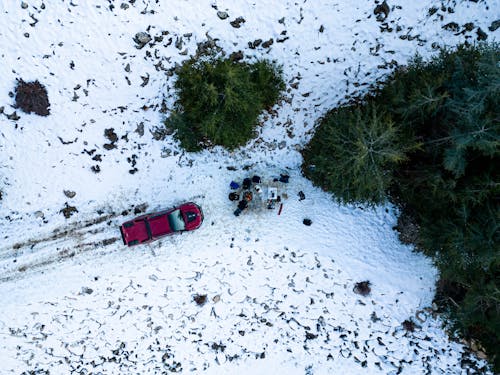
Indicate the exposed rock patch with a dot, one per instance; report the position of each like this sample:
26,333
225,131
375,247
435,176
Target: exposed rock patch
141,39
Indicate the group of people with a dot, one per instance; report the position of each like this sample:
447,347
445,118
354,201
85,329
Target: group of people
248,188
247,195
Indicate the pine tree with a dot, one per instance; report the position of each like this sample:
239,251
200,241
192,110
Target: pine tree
219,101
438,155
353,153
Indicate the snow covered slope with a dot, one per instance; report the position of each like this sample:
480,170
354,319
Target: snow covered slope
279,294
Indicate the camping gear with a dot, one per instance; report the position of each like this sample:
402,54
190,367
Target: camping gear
272,193
302,196
284,178
234,185
280,209
256,179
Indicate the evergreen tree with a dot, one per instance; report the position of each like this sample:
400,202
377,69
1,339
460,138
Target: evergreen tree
353,153
442,119
220,100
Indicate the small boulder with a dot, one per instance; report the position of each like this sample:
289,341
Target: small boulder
382,11
237,22
494,25
70,194
236,56
481,35
268,43
222,15
141,39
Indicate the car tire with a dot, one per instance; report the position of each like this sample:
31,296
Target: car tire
128,225
134,242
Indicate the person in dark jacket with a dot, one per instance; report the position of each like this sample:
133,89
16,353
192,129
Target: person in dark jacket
247,183
234,196
242,204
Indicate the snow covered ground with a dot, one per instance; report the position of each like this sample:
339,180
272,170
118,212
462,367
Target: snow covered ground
279,294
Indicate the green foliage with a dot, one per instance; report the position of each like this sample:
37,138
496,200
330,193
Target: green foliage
268,78
443,120
219,101
353,153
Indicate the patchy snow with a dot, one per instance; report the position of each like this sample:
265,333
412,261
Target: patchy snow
279,294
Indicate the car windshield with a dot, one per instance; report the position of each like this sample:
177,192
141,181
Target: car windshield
176,221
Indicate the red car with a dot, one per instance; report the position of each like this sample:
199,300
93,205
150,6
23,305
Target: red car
146,228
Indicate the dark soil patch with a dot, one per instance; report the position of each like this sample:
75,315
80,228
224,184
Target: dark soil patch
109,146
112,137
32,97
68,210
237,22
200,299
140,208
409,230
362,288
409,326
382,11
448,293
110,134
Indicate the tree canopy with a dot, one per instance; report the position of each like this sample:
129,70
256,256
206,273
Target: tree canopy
219,101
429,141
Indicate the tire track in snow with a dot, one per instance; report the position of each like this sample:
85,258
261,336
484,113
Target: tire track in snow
34,254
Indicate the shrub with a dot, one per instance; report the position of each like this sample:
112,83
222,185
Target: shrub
32,97
363,288
219,101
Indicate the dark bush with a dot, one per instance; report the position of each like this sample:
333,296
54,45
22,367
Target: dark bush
362,288
200,299
32,97
409,325
219,101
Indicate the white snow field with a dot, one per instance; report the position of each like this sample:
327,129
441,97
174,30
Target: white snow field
280,296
